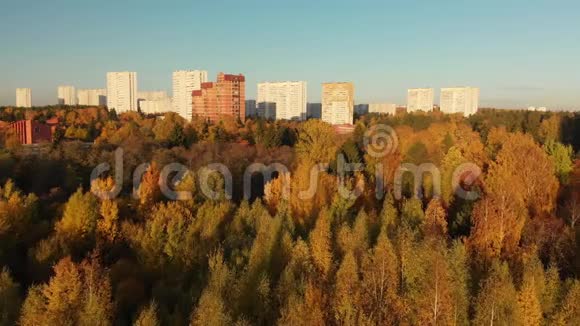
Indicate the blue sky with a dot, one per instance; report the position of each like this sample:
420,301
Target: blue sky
518,52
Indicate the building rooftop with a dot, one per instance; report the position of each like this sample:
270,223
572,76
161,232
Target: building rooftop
230,77
206,85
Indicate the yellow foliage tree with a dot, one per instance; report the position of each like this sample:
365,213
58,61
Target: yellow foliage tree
78,223
529,307
75,295
148,316
321,245
108,224
149,191
435,225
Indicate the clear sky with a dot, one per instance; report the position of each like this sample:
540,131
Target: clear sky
518,52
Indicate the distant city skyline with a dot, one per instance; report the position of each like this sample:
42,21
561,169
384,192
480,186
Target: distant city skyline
519,53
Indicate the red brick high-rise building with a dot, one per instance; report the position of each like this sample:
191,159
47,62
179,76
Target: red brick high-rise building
225,98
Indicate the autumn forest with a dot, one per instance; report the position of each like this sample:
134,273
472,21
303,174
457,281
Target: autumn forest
508,256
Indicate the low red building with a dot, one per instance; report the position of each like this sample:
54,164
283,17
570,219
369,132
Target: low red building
33,132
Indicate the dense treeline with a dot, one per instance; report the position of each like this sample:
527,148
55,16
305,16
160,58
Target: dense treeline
511,257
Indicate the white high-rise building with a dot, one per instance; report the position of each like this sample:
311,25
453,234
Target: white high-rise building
122,91
463,100
23,97
184,83
153,102
92,97
151,95
162,105
420,99
383,108
67,95
338,103
282,100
